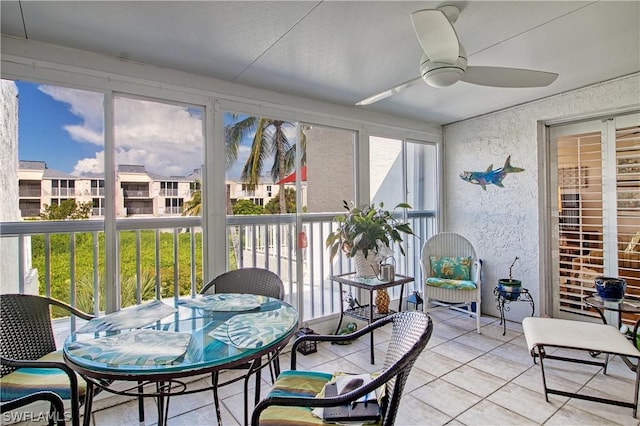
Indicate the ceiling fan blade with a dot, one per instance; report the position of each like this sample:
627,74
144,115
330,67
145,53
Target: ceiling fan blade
383,95
436,35
507,77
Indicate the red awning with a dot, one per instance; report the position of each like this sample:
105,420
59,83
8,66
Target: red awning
292,177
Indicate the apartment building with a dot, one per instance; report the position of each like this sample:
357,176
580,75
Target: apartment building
139,192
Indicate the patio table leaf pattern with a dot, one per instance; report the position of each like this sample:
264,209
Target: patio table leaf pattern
139,347
227,302
252,331
128,318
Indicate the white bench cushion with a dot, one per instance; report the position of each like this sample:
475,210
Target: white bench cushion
577,335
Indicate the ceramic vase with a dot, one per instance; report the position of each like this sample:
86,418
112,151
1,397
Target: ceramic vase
366,267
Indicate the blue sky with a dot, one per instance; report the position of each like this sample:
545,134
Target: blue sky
41,133
64,128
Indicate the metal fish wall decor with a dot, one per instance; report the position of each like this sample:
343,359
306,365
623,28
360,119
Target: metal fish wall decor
489,176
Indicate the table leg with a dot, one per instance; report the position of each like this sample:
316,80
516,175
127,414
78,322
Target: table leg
604,319
140,403
400,299
503,322
257,396
633,367
216,400
341,310
370,321
161,403
88,402
276,366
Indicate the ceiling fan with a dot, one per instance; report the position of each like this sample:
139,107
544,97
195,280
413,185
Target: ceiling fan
444,61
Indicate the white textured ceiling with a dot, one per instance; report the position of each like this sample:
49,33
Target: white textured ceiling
343,52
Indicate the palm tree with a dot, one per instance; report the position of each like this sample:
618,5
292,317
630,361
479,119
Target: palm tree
193,207
270,140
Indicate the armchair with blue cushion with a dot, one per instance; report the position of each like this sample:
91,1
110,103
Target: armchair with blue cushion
452,274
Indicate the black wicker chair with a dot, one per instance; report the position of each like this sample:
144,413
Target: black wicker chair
26,337
411,330
249,281
56,412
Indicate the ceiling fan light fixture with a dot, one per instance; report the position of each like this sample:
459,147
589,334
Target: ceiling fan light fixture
439,74
443,76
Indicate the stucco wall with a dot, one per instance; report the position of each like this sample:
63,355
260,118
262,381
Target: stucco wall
504,222
8,182
8,153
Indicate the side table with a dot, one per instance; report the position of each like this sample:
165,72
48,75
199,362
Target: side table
600,306
503,304
367,312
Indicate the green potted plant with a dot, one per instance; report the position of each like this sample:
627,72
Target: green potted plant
363,233
510,288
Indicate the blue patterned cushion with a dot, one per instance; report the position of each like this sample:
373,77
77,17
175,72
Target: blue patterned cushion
453,268
453,284
25,381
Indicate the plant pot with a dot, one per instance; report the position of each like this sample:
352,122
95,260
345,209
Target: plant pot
366,267
509,289
611,289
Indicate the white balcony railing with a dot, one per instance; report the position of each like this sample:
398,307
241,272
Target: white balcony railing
171,192
162,257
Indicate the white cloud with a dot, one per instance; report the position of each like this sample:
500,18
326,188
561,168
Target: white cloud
85,105
89,165
84,134
167,139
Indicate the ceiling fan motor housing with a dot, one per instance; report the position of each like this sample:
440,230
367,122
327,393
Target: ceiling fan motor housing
440,74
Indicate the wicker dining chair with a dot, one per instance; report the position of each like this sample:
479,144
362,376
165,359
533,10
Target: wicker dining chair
56,412
29,359
296,393
247,280
257,281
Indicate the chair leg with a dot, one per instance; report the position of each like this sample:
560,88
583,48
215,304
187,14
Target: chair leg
56,412
53,412
635,398
544,378
478,314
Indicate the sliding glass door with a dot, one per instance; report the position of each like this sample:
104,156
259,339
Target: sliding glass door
595,202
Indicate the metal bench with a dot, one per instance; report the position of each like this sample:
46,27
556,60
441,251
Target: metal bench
542,333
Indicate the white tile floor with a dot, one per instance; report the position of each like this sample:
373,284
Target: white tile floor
462,378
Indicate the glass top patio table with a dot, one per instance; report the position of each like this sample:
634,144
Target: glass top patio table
193,336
